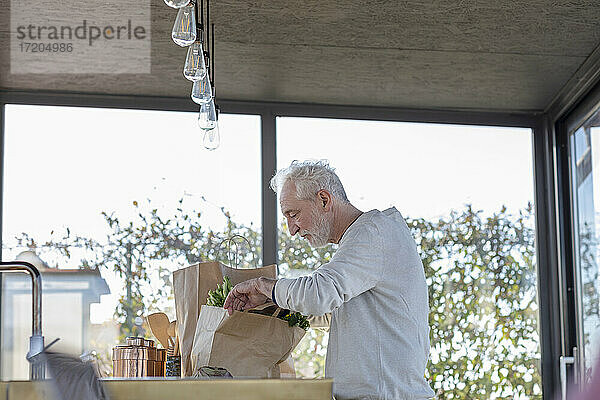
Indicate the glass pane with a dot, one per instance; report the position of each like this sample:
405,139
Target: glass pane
112,201
585,150
467,194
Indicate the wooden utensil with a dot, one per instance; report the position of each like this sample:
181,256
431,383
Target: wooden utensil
172,328
171,348
173,342
159,324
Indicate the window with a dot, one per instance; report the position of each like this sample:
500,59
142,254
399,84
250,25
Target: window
467,194
65,166
585,147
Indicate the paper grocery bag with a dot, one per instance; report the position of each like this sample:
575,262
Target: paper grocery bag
191,286
246,344
286,368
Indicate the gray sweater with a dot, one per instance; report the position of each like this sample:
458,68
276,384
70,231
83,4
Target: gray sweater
374,287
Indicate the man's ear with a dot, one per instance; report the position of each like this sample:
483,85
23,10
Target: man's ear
324,198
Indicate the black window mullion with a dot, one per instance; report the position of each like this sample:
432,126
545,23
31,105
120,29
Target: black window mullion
2,126
269,198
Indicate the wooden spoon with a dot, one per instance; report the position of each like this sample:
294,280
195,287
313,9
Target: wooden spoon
172,332
159,324
172,328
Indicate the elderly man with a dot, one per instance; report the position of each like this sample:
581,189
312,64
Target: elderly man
374,287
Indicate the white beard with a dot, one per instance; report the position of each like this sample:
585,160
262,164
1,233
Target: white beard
321,230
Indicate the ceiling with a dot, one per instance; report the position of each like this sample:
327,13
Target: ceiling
454,54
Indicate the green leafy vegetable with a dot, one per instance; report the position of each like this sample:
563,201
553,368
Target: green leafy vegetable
298,319
217,297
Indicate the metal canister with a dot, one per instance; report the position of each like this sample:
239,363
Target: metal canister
132,361
161,355
136,341
152,364
118,363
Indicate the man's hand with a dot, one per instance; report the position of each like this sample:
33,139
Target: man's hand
249,294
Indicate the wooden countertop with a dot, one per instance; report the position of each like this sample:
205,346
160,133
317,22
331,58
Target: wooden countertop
172,389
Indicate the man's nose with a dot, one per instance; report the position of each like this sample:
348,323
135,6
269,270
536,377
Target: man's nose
294,229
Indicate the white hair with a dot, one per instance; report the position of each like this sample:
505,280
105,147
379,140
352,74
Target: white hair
309,177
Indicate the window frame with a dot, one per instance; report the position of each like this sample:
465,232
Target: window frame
563,128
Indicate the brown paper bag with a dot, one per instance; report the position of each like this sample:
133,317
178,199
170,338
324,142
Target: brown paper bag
284,370
191,286
246,344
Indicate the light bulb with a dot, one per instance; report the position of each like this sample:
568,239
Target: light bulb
184,28
207,118
201,90
212,138
177,3
195,67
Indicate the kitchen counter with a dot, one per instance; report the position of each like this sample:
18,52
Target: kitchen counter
172,389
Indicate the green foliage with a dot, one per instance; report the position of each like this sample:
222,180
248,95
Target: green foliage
483,299
297,319
309,355
216,298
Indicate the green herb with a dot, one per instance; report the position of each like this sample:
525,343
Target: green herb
298,319
217,297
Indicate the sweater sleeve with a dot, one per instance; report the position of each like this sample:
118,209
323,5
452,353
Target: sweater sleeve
356,267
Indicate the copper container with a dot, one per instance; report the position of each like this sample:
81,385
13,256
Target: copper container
139,341
133,368
152,363
132,361
161,355
159,366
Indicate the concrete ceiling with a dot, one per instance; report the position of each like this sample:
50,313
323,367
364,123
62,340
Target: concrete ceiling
449,54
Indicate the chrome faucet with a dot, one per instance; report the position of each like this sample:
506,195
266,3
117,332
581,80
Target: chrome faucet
36,340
